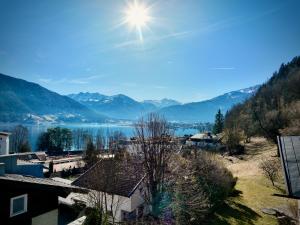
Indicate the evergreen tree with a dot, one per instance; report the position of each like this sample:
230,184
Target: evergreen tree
219,123
90,154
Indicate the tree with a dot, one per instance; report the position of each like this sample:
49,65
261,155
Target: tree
19,139
219,123
154,145
55,140
25,147
232,138
100,142
198,185
90,157
80,138
270,168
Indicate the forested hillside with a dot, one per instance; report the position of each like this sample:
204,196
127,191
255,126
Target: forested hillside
21,100
274,109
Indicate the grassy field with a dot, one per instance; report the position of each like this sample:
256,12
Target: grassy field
253,190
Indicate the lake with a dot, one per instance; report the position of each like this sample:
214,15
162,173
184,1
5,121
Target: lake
36,129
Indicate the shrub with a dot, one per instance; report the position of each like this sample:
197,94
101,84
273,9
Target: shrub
200,185
232,138
270,168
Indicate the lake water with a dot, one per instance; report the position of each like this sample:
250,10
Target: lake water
36,129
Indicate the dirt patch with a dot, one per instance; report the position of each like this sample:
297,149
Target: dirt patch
248,164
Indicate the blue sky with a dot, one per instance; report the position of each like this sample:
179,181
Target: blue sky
192,50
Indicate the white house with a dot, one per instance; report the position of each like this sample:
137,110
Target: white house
115,184
4,143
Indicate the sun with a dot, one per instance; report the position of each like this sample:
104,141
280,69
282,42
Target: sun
137,16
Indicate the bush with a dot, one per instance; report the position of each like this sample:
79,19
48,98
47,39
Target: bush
232,138
270,168
200,185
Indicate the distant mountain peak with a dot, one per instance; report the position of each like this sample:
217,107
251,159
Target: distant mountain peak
165,102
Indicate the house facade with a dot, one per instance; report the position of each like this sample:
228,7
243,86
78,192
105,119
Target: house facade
25,196
117,190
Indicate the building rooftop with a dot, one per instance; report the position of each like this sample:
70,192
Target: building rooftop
203,136
289,147
42,182
112,176
5,133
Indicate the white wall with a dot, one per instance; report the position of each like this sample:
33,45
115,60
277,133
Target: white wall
119,203
4,145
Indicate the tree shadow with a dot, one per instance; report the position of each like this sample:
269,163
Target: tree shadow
236,193
280,189
233,210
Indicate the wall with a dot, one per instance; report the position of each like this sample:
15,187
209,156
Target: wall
11,166
118,203
4,144
48,218
39,202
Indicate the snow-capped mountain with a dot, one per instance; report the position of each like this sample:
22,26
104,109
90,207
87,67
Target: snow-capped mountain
116,106
205,111
123,107
165,102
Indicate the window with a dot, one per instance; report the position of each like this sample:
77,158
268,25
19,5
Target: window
18,205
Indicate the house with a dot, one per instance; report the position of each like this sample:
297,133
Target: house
26,197
203,140
29,200
117,185
4,143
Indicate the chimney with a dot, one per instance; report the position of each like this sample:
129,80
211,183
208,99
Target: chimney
2,169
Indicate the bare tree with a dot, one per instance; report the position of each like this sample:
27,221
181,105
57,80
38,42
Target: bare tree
115,141
154,144
270,168
81,137
19,139
100,141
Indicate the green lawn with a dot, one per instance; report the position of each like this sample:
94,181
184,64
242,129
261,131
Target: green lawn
254,192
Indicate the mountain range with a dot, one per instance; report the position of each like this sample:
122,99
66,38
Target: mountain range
205,111
23,101
124,107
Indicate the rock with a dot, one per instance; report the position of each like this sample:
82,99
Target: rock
269,211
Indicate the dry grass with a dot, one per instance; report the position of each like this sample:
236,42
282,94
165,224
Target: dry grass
254,191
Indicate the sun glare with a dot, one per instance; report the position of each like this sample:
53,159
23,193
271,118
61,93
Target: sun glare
137,16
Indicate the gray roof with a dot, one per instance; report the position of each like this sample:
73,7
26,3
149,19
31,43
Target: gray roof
39,181
119,177
290,157
5,133
203,136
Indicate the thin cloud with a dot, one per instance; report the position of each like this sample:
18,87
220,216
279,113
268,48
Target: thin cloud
45,80
76,81
85,79
236,21
137,42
